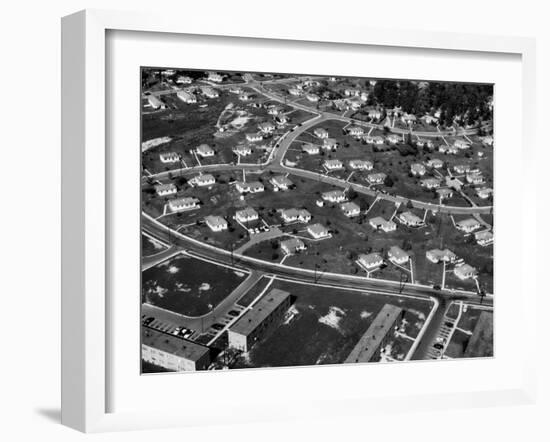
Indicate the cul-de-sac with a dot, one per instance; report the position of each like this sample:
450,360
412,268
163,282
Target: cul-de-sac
298,220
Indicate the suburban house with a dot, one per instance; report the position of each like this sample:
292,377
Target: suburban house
437,255
397,255
355,131
425,143
312,97
352,92
281,119
246,96
295,91
205,151
166,189
408,118
468,225
380,223
266,127
169,157
350,209
246,215
185,203
274,109
210,92
184,79
334,196
251,187
291,215
484,192
373,140
292,245
281,182
465,271
436,163
319,132
475,178
203,180
237,90
410,219
461,144
393,139
254,137
430,119
187,97
333,164
360,164
444,193
242,150
155,102
216,223
311,149
443,148
371,261
330,144
215,77
487,140
484,237
376,178
317,231
430,183
461,168
375,114
418,169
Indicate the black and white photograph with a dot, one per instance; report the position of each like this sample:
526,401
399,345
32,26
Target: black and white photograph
298,220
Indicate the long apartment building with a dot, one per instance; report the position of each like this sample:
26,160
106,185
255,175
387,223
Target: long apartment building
263,317
376,336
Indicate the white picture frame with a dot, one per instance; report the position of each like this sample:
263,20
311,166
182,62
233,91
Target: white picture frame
85,307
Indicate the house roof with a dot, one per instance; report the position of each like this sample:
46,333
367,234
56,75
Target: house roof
398,252
292,244
215,220
317,229
172,344
370,259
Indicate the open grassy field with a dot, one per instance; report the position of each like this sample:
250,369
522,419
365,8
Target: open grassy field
323,325
150,246
188,286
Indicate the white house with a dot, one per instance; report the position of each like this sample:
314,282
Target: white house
484,192
376,178
155,102
185,203
165,189
461,144
475,178
169,157
371,261
281,119
203,180
430,183
487,140
484,237
312,97
468,225
251,187
295,91
355,131
444,193
204,150
408,118
274,109
418,169
187,97
410,219
281,182
184,79
350,209
292,215
430,119
443,148
437,255
380,223
266,127
210,92
465,271
319,132
436,163
246,215
246,96
393,139
292,245
252,137
237,90
461,168
334,196
215,77
375,114
397,255
311,149
378,140
216,223
333,164
360,164
330,144
242,150
317,231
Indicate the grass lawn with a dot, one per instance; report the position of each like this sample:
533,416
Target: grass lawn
188,286
324,324
150,246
